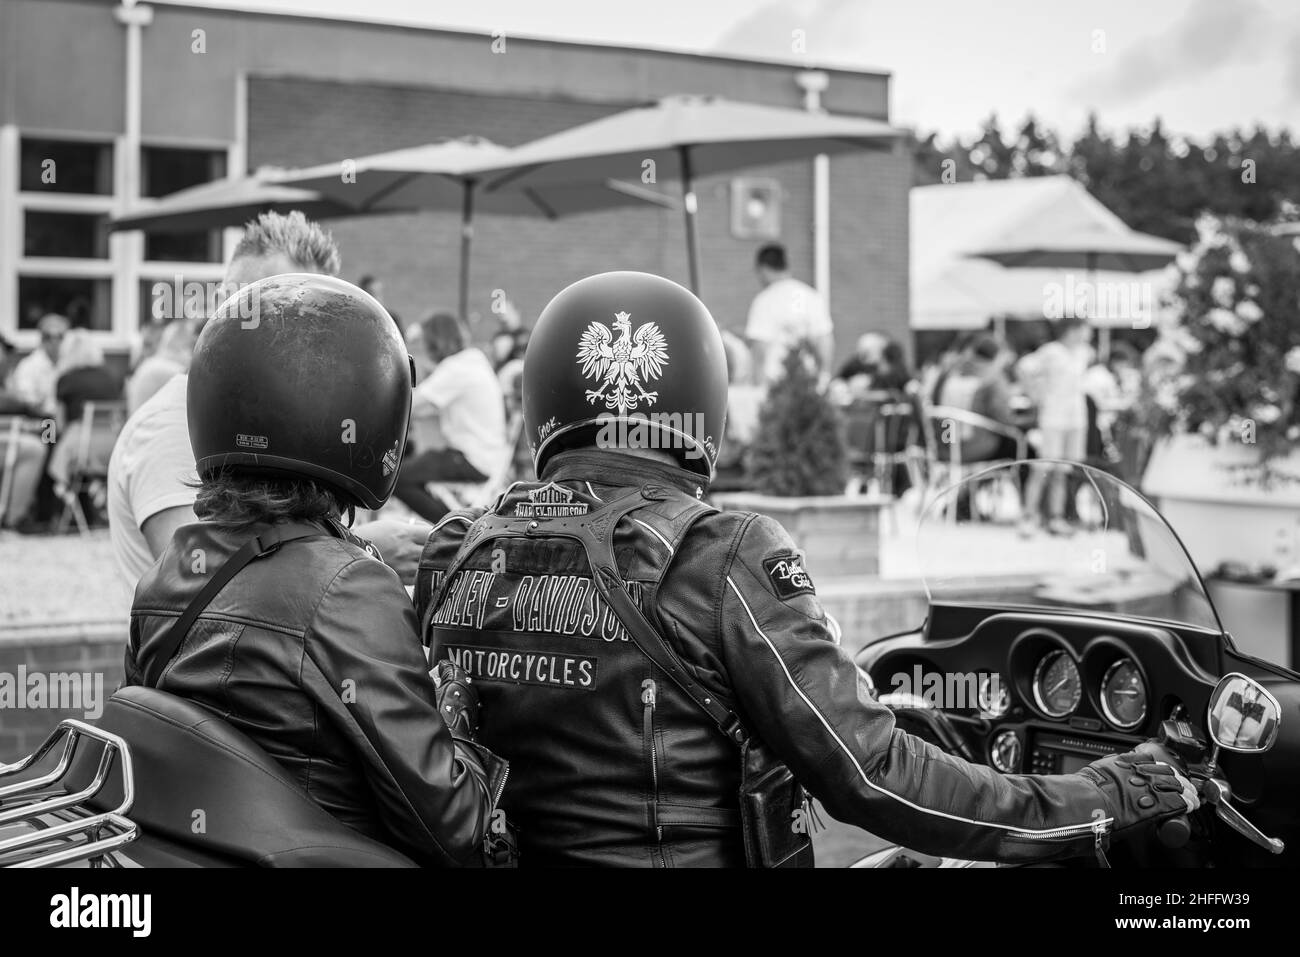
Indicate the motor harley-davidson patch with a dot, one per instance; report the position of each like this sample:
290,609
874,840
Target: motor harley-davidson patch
550,501
788,576
518,666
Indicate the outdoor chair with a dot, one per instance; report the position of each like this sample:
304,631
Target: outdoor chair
12,427
882,439
938,423
86,477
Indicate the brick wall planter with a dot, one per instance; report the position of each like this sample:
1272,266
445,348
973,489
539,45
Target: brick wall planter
838,534
87,649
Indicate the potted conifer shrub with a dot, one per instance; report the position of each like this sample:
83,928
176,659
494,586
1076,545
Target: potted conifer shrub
798,471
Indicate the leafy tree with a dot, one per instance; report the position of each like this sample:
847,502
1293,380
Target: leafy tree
1154,181
800,449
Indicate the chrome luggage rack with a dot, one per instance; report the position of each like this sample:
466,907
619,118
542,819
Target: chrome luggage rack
53,828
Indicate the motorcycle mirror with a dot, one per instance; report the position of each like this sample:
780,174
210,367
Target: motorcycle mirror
1243,716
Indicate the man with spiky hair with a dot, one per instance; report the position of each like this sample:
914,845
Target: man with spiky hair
151,475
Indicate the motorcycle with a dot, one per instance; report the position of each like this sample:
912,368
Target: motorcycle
1072,647
1043,651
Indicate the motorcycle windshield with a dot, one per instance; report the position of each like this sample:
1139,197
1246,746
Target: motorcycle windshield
1110,551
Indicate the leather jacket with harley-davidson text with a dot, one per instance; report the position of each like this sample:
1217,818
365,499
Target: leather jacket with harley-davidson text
613,764
313,652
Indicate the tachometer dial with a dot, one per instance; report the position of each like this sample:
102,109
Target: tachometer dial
1057,686
1124,694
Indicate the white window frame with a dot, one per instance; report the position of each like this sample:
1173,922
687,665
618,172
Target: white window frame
125,266
157,270
13,263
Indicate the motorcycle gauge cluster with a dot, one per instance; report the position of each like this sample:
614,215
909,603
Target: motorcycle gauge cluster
1057,685
1124,694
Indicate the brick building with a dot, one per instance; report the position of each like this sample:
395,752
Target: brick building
222,91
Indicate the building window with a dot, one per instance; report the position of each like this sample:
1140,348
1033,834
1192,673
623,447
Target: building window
65,198
65,235
165,170
86,302
65,166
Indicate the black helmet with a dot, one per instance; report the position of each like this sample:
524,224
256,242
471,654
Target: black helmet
626,355
303,376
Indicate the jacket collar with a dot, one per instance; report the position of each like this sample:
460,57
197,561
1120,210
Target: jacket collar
618,469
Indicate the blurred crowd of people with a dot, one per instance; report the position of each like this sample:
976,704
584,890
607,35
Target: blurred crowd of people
980,401
50,434
977,401
135,452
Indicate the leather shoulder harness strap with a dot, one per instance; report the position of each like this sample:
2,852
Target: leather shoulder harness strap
595,532
251,550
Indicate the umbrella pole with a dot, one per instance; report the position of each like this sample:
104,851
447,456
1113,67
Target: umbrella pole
466,237
689,204
1103,333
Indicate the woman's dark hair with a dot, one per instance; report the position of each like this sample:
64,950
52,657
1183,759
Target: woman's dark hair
893,354
444,334
772,256
986,347
237,500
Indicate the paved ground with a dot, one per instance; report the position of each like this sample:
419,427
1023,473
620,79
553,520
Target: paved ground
72,578
58,579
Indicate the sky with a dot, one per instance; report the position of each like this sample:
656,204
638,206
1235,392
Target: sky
1200,65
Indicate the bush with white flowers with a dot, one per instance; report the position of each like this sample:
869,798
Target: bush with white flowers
1236,373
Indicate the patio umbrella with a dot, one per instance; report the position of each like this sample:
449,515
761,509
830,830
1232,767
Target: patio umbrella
688,136
225,202
445,176
1101,245
1095,249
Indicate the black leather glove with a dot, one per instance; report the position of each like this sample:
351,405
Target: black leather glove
457,699
1143,786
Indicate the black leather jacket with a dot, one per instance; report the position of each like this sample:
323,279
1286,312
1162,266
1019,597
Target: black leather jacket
312,651
600,777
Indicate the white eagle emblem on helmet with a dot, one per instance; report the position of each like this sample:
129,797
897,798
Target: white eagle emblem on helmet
623,366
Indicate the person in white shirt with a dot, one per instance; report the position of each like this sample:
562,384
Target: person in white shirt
35,378
783,313
172,357
1054,376
151,476
458,421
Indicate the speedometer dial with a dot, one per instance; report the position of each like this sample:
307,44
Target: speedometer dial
1124,694
1057,686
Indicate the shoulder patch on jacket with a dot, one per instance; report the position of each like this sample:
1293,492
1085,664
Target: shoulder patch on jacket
786,572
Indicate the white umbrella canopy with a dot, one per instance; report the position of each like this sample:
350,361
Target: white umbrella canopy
682,136
446,175
1093,248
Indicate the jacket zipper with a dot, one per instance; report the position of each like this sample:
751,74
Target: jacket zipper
1098,831
501,787
649,692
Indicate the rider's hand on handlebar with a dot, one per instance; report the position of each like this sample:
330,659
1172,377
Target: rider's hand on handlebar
1162,755
457,699
1143,786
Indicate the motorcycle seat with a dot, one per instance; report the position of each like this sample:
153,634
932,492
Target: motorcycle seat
191,767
